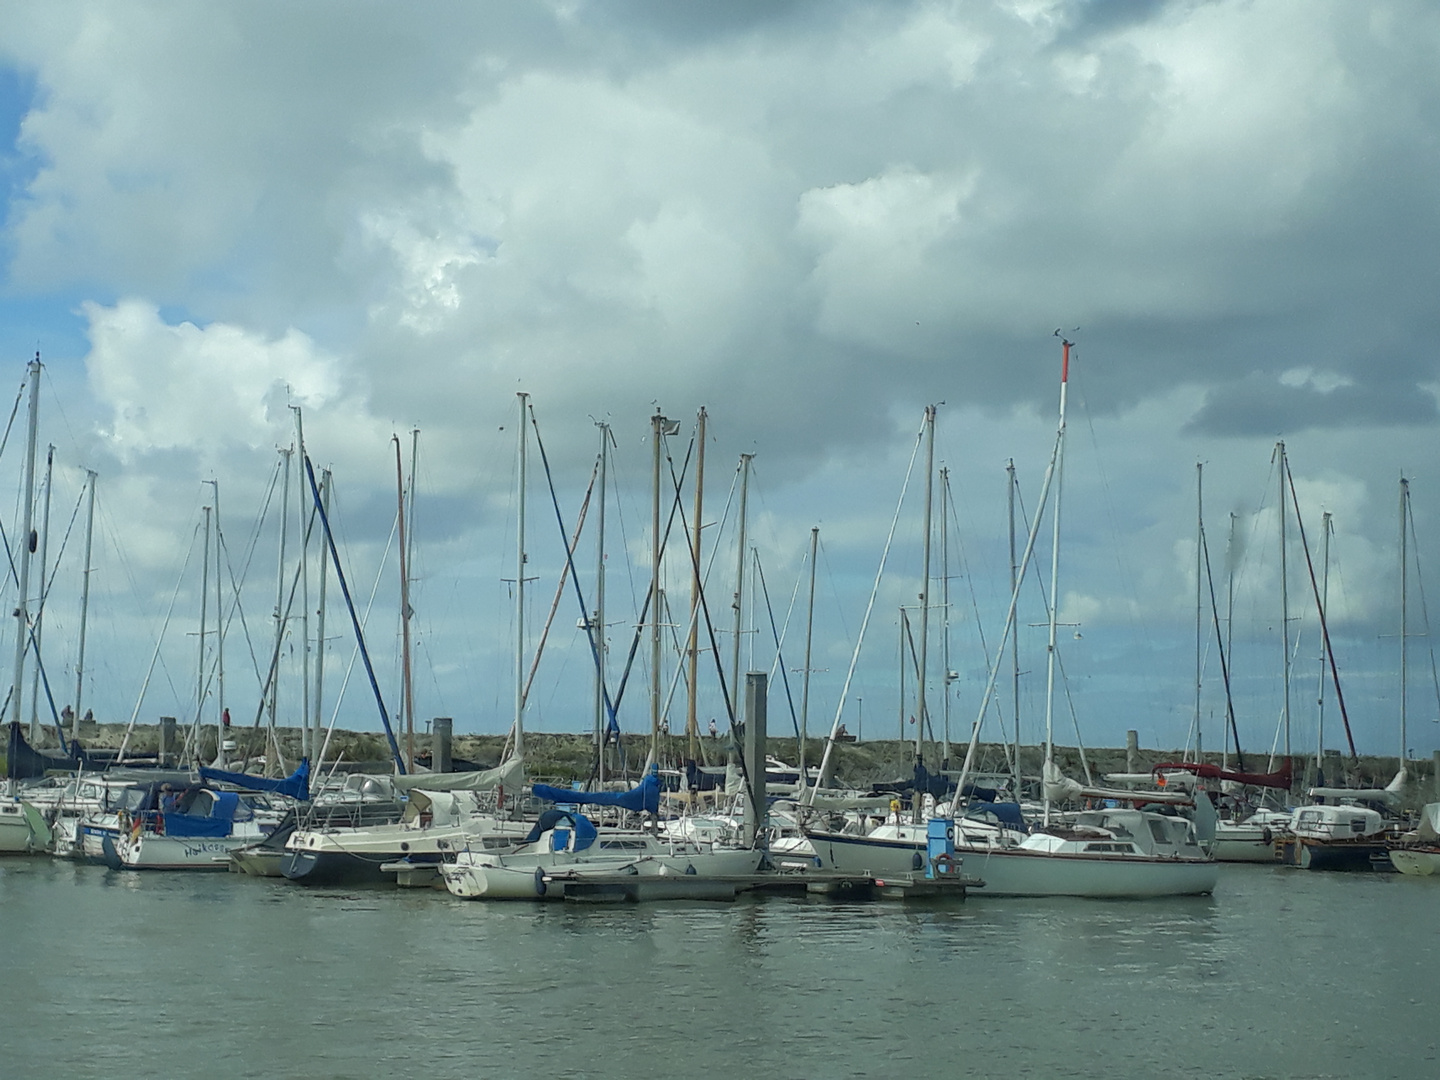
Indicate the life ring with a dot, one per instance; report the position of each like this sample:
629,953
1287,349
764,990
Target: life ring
945,863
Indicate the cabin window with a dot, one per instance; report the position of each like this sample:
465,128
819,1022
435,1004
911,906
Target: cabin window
1357,824
1157,830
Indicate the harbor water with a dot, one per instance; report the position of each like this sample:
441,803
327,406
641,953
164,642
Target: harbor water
1282,973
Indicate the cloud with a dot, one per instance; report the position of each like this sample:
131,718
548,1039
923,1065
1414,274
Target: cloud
812,218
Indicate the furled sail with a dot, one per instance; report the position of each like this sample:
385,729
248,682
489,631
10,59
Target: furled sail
296,785
643,796
508,774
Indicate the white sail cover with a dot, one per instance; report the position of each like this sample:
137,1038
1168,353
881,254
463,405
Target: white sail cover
1060,788
1429,827
508,774
1389,794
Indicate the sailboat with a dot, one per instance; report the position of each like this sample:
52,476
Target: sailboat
1100,853
1346,829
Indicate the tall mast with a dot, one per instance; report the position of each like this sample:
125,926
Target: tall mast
22,610
317,742
809,642
304,505
1230,619
1199,575
948,676
601,722
922,715
219,629
407,698
84,607
410,560
520,580
1326,528
1404,622
285,455
1055,570
200,665
1014,637
44,591
692,720
1284,600
658,427
745,460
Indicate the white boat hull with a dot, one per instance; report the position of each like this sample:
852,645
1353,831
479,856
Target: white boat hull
151,852
1415,862
481,877
1015,872
1244,843
22,829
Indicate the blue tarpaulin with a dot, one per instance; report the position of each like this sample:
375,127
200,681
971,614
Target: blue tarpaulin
643,796
296,785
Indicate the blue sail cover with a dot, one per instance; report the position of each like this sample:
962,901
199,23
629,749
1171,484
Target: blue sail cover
218,823
643,796
296,785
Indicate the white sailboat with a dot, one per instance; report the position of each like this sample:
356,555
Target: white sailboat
1104,853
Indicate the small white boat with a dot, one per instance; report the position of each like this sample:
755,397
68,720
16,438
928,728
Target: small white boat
1343,837
435,825
565,845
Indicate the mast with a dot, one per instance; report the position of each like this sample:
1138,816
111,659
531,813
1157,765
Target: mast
904,633
1284,599
520,580
44,593
692,720
809,642
22,611
200,665
410,560
301,506
1055,570
659,425
1014,638
740,580
1199,575
1404,599
316,740
407,697
219,630
1326,528
601,724
921,714
948,676
285,455
1230,619
84,607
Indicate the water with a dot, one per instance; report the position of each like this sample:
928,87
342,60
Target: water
1282,973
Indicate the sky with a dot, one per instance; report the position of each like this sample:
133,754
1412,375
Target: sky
813,219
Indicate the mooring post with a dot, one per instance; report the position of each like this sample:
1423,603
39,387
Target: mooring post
756,685
441,733
167,740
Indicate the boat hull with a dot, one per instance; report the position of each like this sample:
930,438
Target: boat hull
559,876
1415,861
152,852
1246,851
338,867
17,831
1343,855
1014,872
